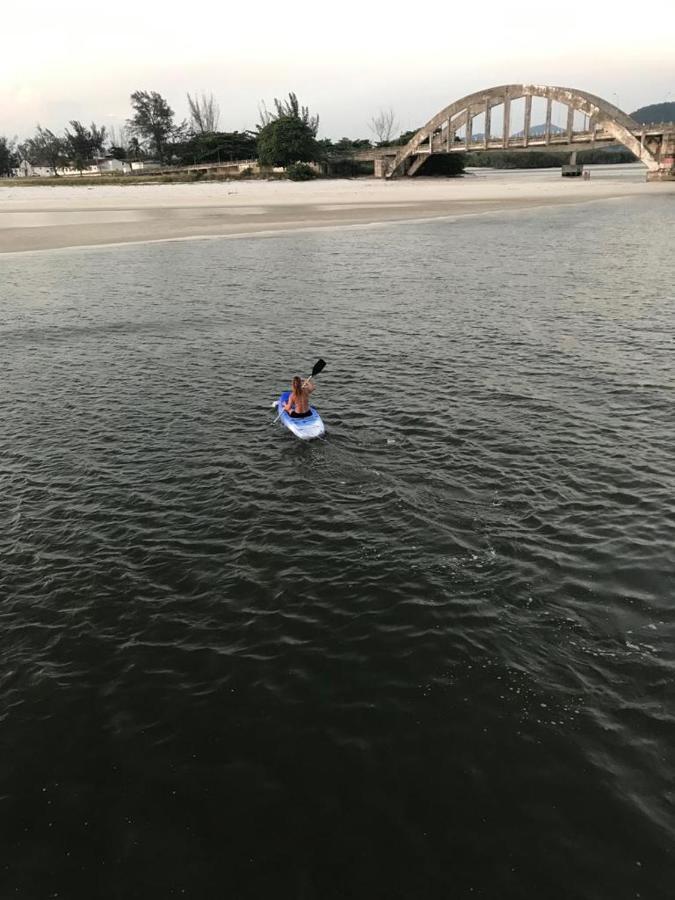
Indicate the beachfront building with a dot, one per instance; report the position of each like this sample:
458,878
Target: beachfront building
27,170
101,166
110,166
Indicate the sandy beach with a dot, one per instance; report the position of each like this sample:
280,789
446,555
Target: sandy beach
34,218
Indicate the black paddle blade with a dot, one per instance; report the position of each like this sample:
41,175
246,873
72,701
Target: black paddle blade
319,366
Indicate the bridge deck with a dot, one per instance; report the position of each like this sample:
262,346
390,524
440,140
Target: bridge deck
559,143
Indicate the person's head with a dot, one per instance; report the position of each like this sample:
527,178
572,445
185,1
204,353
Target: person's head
296,384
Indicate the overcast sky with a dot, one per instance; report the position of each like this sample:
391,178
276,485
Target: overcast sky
345,60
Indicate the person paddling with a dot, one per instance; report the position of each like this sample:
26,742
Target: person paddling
297,404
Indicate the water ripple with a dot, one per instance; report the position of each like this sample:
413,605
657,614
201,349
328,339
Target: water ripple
382,664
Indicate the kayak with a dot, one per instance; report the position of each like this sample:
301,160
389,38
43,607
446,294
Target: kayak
306,428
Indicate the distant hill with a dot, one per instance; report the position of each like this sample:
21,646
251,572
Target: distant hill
540,130
535,131
657,112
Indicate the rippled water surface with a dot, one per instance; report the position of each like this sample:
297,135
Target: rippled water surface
430,656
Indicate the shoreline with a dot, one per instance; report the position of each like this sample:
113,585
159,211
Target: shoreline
270,230
47,218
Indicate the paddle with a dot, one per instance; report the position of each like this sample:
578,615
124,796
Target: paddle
319,366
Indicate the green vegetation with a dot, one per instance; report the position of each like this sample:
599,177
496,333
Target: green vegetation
286,136
286,140
289,108
204,114
289,135
544,159
9,158
440,164
344,145
153,121
82,145
534,159
606,156
349,168
300,172
44,149
404,137
214,147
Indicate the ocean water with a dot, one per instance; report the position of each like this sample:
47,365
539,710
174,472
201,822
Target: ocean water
430,656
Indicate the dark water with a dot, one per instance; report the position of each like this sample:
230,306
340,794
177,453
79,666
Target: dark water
428,657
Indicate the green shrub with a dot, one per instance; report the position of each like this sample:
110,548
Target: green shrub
300,172
444,164
286,140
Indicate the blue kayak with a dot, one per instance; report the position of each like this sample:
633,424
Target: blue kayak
307,427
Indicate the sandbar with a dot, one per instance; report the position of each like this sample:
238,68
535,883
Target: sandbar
39,217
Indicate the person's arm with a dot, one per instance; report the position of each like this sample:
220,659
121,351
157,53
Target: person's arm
309,386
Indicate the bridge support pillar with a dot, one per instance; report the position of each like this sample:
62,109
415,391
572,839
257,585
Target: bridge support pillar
666,169
572,167
380,168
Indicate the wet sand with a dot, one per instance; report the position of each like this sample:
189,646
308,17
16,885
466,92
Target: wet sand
45,217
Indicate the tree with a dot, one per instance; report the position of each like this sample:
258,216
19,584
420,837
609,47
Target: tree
405,136
347,145
285,140
44,149
204,114
83,144
217,146
119,137
383,125
8,156
134,149
153,120
287,135
288,109
119,142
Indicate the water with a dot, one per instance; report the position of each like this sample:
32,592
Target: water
430,656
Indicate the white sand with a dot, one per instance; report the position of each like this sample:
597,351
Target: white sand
40,217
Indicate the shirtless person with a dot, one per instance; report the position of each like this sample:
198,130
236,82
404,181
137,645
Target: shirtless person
298,401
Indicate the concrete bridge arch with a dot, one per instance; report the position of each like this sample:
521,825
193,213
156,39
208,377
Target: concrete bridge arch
655,147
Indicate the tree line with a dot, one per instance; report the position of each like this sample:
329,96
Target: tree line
285,134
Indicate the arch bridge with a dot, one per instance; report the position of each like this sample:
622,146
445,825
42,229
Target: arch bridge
590,122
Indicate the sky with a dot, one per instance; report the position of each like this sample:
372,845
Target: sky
346,61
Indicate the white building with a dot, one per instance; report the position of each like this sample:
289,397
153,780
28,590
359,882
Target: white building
26,170
101,166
